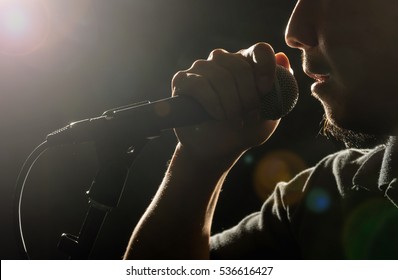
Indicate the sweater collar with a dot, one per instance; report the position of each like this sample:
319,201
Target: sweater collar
379,171
388,178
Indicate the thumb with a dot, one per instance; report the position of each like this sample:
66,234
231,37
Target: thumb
283,60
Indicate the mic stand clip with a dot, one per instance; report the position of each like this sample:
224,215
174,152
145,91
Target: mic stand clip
104,195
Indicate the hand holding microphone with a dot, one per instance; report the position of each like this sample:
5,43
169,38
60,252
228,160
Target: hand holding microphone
236,90
244,94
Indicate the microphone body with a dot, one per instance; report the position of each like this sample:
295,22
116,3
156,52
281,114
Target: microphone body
148,119
145,119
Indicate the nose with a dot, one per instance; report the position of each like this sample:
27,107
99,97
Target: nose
301,31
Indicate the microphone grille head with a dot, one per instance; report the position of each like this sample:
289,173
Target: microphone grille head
282,98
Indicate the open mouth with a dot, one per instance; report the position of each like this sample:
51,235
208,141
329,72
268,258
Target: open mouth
320,78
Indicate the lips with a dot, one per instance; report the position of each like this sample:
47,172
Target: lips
316,67
322,81
320,78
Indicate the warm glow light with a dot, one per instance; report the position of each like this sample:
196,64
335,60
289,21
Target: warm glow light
274,167
16,21
23,26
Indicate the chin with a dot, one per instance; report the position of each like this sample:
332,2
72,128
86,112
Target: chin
352,135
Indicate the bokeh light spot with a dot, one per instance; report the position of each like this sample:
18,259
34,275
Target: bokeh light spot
274,167
318,200
248,159
371,230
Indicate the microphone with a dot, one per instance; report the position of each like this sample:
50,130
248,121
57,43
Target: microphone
148,119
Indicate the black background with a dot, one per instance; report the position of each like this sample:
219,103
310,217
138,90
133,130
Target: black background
102,54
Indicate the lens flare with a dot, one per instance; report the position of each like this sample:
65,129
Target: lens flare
370,231
16,22
318,200
275,167
23,26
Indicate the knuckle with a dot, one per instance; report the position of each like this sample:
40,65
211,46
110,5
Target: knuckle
198,64
178,77
187,83
217,53
258,51
263,47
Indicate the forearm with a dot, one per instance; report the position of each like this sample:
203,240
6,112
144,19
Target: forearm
177,223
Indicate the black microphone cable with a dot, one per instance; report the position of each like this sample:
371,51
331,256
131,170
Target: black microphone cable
18,194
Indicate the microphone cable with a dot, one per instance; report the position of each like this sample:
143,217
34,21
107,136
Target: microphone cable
18,194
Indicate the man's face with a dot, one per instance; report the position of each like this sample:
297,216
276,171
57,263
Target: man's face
351,49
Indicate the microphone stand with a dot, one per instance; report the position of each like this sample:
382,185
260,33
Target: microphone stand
115,159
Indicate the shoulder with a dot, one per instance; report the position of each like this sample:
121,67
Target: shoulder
342,167
349,157
334,173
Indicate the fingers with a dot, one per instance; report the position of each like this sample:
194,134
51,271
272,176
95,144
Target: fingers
196,86
283,60
229,85
223,84
243,77
262,58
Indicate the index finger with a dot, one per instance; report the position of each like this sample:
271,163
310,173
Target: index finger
261,57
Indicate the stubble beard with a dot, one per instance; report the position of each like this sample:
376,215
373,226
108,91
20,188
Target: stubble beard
350,138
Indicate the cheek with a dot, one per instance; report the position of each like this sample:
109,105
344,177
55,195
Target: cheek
367,77
348,66
364,70
361,52
369,107
362,95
